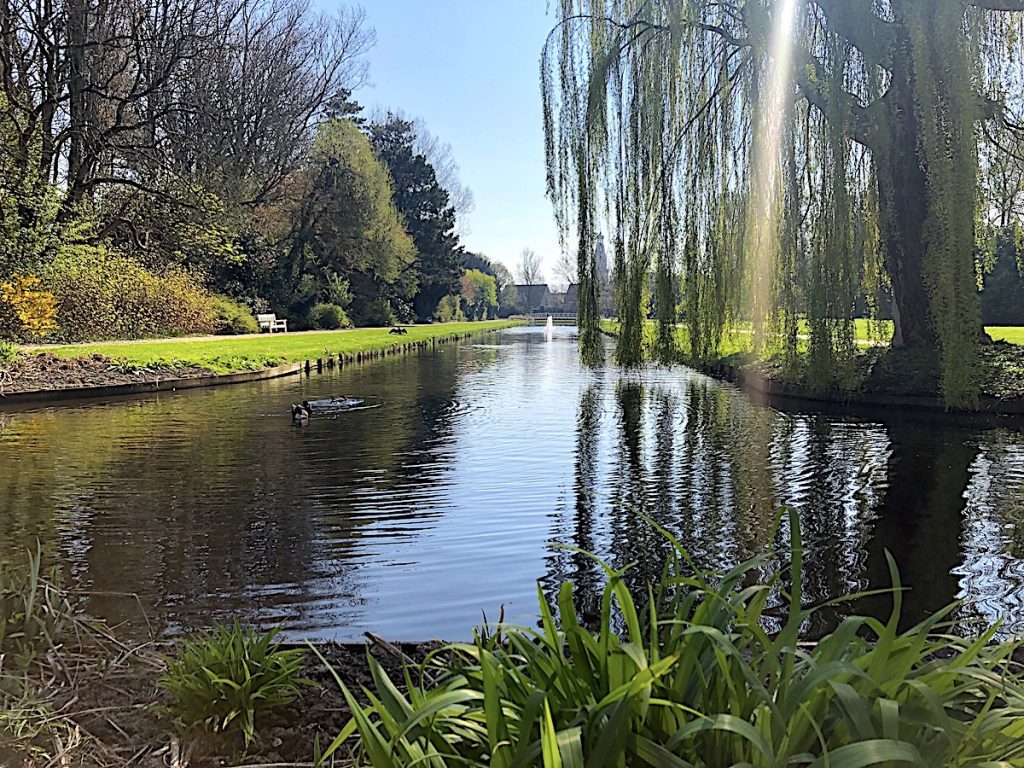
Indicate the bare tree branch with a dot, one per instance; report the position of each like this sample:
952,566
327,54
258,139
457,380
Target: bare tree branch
856,21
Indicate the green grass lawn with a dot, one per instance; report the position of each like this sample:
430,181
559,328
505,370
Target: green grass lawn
1012,334
238,353
865,333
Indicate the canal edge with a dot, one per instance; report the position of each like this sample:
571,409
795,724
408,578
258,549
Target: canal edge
72,395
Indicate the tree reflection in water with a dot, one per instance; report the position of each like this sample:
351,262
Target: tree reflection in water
714,470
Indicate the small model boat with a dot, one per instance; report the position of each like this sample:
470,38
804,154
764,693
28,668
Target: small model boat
335,404
330,407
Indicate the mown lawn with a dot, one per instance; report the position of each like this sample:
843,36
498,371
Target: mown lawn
866,333
238,353
1012,334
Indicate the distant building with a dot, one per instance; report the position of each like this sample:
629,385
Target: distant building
570,300
533,298
602,262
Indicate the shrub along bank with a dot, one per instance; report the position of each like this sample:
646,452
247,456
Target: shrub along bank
701,669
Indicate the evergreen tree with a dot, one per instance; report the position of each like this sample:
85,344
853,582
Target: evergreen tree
429,216
1002,301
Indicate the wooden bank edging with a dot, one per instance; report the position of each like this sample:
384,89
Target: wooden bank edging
774,391
57,396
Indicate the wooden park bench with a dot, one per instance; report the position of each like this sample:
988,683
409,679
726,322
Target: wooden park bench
271,323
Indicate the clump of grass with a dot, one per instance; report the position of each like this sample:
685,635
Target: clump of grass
8,354
695,678
33,616
31,734
230,676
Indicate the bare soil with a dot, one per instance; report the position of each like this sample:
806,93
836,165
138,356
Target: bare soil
44,371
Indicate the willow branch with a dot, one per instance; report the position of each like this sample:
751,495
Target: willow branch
832,102
855,21
808,74
643,25
999,5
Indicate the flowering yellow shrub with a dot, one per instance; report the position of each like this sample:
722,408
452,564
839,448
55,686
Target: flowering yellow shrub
102,294
26,310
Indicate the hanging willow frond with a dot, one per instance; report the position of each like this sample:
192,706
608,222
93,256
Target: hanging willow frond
755,199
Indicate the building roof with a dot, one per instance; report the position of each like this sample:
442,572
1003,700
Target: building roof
531,296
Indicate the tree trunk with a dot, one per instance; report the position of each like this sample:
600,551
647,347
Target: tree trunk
903,207
77,99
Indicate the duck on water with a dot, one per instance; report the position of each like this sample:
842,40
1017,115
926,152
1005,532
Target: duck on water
302,412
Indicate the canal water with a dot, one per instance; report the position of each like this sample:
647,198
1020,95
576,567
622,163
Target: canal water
452,499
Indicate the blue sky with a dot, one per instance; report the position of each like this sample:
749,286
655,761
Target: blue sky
470,69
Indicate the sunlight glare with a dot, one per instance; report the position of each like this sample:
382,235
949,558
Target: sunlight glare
766,194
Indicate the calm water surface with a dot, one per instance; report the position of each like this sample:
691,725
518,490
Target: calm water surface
413,519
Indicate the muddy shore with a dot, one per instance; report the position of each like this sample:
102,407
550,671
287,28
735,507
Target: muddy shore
46,372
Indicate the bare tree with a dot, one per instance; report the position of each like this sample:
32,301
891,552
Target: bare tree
441,155
566,270
258,97
528,270
106,97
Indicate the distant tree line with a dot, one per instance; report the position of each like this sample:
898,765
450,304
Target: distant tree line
213,146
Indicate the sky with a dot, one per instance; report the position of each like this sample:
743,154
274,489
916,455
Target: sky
471,70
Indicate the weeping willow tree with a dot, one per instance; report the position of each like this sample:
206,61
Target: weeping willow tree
776,157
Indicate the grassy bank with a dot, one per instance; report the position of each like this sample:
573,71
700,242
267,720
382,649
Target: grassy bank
240,353
873,369
866,333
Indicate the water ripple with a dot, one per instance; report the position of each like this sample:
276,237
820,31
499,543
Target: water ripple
451,500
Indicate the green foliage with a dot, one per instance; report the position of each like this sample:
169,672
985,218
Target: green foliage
8,354
28,730
449,310
694,678
479,294
229,677
201,236
33,616
375,314
348,241
330,317
233,317
28,211
104,295
1002,301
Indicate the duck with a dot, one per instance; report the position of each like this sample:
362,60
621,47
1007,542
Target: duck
301,413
